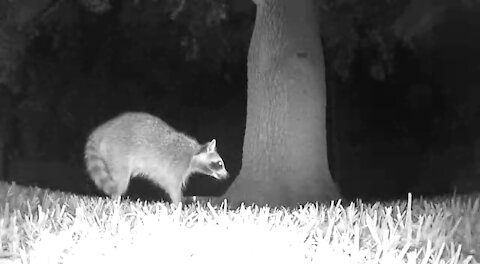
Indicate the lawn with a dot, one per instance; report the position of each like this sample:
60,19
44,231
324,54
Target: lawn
43,226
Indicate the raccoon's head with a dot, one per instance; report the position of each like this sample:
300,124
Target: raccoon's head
208,161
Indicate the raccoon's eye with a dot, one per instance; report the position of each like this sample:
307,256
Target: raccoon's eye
216,165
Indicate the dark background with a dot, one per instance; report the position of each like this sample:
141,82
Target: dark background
403,108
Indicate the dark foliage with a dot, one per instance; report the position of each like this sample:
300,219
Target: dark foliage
403,112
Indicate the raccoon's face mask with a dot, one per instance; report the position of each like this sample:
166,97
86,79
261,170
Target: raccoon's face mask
218,169
209,161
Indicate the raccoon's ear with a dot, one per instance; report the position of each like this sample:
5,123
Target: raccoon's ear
211,145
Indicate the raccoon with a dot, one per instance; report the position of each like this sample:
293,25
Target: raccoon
139,144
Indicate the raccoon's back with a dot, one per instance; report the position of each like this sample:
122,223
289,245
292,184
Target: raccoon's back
137,132
133,128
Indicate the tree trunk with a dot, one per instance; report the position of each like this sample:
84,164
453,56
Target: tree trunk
285,147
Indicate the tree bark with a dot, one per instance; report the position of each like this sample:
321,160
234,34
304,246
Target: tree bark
285,146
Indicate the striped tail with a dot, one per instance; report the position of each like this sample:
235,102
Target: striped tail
98,169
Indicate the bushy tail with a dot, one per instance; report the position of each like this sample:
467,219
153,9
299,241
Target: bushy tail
97,168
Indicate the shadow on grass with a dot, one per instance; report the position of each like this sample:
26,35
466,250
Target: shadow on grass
63,177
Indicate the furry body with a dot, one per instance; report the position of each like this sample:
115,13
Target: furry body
136,143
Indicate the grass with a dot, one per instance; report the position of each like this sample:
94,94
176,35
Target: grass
42,226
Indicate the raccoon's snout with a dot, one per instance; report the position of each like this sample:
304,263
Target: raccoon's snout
221,174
